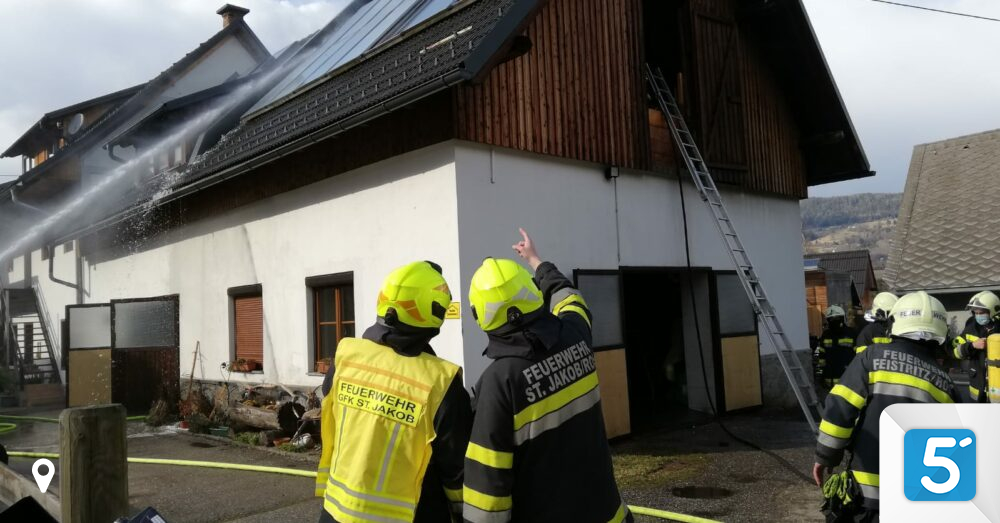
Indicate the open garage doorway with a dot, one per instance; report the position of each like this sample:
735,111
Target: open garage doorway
662,343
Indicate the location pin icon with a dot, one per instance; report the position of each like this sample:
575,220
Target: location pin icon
43,480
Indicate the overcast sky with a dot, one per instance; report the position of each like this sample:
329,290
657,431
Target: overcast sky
907,76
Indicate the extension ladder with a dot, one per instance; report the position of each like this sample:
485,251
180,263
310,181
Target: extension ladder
790,363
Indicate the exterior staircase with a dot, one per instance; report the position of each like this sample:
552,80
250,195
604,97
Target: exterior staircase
28,351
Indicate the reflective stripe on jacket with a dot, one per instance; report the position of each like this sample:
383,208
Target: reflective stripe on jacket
875,332
377,427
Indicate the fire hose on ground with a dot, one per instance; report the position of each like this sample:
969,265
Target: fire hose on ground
7,427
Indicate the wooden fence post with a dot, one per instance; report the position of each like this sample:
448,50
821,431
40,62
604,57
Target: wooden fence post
93,481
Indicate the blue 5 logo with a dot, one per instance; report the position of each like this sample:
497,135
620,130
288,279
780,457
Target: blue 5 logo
939,465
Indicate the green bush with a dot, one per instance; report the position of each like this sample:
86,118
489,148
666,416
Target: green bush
250,438
288,447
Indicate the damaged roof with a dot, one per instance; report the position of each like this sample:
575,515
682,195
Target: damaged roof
451,47
460,43
359,27
40,130
946,222
142,94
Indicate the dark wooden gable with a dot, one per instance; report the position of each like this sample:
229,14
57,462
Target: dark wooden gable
573,94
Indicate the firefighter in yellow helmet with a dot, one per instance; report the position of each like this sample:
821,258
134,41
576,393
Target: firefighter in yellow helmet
836,347
901,371
971,344
877,331
396,418
539,451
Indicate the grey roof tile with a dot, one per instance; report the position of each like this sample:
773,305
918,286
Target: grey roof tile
947,226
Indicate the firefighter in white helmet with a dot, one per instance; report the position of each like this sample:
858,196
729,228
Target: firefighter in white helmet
879,329
901,371
836,347
971,344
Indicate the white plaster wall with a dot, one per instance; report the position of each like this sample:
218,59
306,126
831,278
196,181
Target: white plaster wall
570,208
368,221
15,272
216,67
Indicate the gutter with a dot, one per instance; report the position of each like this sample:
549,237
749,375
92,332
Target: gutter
52,275
417,93
50,249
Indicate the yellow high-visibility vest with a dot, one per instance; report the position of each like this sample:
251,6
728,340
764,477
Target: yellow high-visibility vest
377,427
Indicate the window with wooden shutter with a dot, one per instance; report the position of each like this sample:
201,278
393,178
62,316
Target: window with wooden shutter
248,329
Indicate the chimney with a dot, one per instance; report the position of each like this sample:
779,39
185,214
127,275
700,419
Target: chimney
231,13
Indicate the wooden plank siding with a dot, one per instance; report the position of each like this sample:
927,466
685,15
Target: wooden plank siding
578,93
776,163
744,123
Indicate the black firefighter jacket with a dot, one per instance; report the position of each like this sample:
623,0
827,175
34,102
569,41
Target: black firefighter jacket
835,351
963,350
539,451
903,371
875,332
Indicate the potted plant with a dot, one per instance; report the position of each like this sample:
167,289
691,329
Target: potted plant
242,365
323,365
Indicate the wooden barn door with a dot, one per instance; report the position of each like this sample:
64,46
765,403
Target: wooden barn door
718,88
145,357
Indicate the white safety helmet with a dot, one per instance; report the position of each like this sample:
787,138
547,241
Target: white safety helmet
882,305
834,311
919,315
985,300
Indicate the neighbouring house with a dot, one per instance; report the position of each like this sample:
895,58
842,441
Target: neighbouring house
77,149
828,275
826,287
432,129
858,264
943,243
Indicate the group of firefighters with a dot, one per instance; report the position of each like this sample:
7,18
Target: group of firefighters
897,358
401,442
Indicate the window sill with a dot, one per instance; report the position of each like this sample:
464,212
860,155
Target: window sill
320,374
248,372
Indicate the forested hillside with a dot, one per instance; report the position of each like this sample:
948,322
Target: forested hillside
857,221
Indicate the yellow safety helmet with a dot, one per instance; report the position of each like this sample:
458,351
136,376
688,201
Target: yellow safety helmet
834,311
985,300
501,292
919,312
415,295
883,303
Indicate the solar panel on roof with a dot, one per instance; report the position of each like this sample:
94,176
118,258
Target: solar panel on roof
360,27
